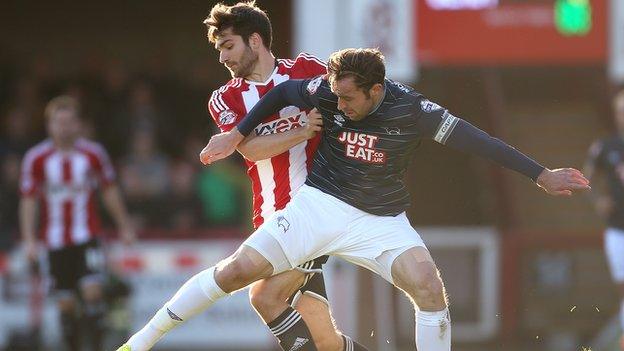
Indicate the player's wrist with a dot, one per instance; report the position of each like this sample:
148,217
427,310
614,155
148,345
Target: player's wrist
237,135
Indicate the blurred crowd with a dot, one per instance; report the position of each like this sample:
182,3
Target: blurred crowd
152,122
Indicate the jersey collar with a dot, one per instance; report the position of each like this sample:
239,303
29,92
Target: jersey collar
381,101
269,79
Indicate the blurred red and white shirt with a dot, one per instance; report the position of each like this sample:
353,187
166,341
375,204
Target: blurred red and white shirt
65,184
274,181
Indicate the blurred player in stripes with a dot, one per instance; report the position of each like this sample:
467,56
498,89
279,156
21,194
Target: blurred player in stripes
58,179
606,160
278,155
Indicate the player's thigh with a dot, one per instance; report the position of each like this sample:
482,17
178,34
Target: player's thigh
306,228
614,247
318,318
374,242
278,287
91,271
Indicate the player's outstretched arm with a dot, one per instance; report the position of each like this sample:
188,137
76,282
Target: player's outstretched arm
466,137
285,94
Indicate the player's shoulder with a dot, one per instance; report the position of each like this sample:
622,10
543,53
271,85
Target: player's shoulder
319,87
228,90
303,65
91,147
226,97
306,58
404,93
38,150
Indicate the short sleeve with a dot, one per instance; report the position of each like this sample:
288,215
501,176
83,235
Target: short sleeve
223,112
100,162
30,177
103,166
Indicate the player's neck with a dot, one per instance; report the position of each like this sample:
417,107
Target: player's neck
64,145
263,69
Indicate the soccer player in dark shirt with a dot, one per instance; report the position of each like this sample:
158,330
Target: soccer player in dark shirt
353,203
606,159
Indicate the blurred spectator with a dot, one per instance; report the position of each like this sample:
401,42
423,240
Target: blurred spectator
18,132
145,179
224,190
184,202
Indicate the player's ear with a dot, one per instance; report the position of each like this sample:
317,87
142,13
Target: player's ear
376,89
255,41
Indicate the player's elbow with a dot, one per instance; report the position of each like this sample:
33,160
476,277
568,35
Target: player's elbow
252,154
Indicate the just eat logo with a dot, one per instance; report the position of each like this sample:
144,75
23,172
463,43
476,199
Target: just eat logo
361,147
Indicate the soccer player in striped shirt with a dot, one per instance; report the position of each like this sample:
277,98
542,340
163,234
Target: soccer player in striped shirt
278,155
59,178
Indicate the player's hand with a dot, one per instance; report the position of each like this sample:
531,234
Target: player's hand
314,125
31,248
221,146
562,181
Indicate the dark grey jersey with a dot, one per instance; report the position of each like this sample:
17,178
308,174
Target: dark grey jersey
363,162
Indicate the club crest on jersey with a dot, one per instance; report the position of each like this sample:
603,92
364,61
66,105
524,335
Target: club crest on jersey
227,117
429,106
283,223
314,84
393,130
360,146
339,120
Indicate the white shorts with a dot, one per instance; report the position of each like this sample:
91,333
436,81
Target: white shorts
614,249
315,224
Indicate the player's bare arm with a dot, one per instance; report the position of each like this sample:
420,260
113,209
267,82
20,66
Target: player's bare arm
27,217
255,148
224,144
113,202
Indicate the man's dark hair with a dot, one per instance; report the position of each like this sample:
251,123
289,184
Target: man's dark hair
365,66
245,18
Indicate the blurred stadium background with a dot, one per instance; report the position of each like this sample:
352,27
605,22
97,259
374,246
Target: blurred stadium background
524,271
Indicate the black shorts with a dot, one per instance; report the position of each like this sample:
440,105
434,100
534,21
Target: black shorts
314,284
71,264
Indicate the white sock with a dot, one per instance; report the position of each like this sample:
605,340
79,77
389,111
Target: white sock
196,295
622,315
433,331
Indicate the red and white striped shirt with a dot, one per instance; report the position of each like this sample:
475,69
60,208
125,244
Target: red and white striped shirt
274,181
65,183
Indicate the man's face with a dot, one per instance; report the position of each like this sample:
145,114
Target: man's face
235,54
352,101
64,126
618,110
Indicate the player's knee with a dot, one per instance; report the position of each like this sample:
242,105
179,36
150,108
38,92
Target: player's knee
264,300
241,270
423,282
328,342
91,290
